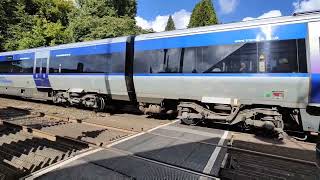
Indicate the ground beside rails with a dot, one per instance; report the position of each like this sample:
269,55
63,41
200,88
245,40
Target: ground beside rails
23,152
89,132
137,147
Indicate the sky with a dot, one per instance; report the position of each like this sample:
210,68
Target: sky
154,14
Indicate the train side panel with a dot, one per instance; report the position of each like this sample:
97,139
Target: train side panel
92,69
247,89
263,65
112,85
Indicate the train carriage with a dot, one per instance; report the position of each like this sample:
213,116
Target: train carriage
80,73
261,73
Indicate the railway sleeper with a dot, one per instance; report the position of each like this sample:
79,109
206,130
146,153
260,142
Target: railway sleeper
9,172
57,146
22,160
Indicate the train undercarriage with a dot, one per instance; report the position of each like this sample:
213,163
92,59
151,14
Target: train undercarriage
80,98
271,119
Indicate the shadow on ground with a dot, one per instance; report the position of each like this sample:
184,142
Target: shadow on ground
180,161
12,112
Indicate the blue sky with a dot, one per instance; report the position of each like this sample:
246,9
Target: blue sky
154,13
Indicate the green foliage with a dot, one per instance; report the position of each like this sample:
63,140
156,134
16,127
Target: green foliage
91,28
98,19
54,10
37,23
7,16
203,14
126,8
98,8
115,8
170,25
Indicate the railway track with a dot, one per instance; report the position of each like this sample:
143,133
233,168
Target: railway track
239,163
24,151
244,163
89,132
28,141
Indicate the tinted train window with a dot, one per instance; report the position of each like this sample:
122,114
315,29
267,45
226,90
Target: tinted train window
302,58
288,56
101,63
157,61
117,61
278,56
17,66
237,58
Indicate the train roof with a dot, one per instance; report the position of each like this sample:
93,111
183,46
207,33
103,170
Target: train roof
234,26
183,32
71,45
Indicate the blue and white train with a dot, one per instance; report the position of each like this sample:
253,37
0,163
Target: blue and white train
261,73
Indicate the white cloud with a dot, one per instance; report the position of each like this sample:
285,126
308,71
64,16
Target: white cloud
181,19
143,23
273,13
228,6
306,5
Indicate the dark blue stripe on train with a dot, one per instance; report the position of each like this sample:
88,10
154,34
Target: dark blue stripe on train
24,56
86,74
90,50
227,74
179,74
280,32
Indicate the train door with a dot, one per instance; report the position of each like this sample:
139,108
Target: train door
41,70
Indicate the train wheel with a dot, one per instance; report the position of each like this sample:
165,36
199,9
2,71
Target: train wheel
189,121
101,104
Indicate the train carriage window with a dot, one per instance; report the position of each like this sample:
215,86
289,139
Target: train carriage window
157,61
189,61
97,63
302,56
172,60
17,66
286,56
237,58
148,62
117,61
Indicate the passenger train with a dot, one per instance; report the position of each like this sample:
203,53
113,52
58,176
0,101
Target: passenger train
261,73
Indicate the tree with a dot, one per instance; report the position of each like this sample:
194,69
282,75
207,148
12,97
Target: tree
98,19
170,25
93,28
38,23
54,10
125,8
203,14
114,8
7,17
